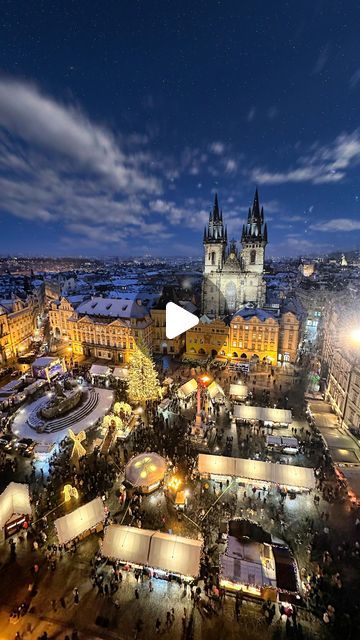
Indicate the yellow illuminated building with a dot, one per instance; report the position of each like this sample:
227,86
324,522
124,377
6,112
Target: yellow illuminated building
162,344
289,337
252,333
208,338
17,327
104,328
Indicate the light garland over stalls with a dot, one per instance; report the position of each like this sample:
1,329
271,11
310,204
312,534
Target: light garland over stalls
143,382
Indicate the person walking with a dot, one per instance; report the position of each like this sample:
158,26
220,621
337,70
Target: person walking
157,625
76,595
137,595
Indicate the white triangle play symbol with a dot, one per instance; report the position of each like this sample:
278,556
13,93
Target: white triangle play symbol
178,320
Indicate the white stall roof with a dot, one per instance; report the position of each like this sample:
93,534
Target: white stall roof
282,441
158,550
267,414
175,554
164,404
44,361
257,471
121,372
75,523
216,465
14,500
99,370
127,544
239,390
188,388
214,390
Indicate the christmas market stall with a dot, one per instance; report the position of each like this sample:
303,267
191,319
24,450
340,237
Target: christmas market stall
188,389
238,392
48,367
15,509
99,372
121,373
256,566
163,553
287,444
81,522
267,415
244,470
145,472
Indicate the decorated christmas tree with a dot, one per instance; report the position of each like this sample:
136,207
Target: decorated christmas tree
143,382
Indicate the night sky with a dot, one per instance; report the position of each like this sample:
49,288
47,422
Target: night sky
119,120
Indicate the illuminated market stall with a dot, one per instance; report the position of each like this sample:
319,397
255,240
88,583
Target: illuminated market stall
162,552
238,391
121,373
99,371
255,565
267,415
48,367
145,472
81,522
284,475
15,509
187,389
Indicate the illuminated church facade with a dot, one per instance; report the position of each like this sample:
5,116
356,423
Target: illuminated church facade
233,278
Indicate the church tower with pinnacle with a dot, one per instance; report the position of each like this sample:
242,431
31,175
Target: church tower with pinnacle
233,278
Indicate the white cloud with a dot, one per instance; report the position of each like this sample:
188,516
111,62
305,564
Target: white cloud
321,60
58,167
337,224
217,148
355,79
230,165
272,112
66,131
251,114
323,164
300,245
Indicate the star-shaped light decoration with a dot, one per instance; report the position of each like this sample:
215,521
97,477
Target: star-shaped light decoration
78,449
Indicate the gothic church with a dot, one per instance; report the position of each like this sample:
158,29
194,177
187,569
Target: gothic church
233,278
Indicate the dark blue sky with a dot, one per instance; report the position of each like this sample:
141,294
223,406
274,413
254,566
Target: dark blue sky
119,120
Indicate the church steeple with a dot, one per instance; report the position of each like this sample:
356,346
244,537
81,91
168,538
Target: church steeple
215,230
254,230
216,211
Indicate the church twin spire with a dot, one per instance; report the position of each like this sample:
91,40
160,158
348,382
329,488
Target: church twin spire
253,231
215,231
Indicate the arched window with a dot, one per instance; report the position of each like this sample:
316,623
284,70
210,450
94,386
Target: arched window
252,256
213,257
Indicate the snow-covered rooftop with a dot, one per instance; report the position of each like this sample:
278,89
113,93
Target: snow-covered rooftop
112,308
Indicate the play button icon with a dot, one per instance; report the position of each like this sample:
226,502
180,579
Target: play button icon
178,320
